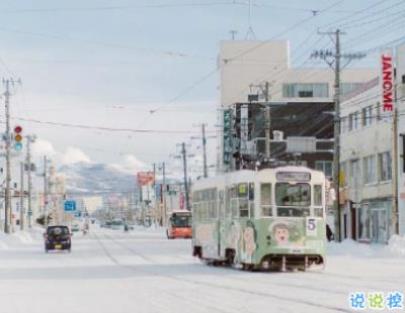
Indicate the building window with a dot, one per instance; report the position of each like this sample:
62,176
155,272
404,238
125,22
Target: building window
367,115
378,111
356,120
369,169
351,116
355,173
343,125
325,167
346,88
306,90
385,163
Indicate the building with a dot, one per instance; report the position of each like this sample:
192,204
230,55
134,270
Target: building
263,69
400,58
366,166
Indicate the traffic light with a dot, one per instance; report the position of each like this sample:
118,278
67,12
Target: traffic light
18,138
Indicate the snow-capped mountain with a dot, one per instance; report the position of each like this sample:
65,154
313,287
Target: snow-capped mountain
97,178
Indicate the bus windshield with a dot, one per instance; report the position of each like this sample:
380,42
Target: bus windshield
293,199
181,220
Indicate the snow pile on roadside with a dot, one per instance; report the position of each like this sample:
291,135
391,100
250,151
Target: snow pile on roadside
396,245
23,236
3,243
354,248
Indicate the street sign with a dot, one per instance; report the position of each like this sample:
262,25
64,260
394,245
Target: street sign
70,206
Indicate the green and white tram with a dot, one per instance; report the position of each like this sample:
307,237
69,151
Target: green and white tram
267,219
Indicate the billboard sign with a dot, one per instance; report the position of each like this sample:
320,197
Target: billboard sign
69,206
387,82
145,178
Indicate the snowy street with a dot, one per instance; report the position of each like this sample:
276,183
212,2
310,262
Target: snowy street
109,271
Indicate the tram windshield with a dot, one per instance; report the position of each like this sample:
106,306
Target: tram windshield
180,220
293,199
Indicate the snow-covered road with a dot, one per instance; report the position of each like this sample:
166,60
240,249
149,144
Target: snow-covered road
112,272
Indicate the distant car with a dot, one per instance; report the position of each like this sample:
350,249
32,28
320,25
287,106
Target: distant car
58,238
75,227
117,224
106,225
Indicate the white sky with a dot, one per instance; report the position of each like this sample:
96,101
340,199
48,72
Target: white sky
104,64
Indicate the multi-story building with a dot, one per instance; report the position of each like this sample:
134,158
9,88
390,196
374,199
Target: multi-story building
400,53
301,101
366,166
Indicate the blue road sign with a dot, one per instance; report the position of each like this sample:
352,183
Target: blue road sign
70,206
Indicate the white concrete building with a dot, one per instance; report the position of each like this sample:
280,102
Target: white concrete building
245,65
400,58
264,68
366,166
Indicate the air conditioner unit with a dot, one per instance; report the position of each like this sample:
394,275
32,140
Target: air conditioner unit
278,135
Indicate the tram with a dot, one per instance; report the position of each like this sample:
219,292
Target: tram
266,219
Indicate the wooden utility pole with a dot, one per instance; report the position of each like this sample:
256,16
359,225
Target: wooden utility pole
22,209
7,200
186,185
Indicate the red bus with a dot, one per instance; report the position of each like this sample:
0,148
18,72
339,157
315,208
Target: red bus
179,225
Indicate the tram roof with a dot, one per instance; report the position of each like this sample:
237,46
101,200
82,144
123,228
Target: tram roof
250,175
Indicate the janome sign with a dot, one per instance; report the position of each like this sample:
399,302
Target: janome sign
387,82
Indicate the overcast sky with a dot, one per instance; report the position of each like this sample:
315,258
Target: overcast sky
108,63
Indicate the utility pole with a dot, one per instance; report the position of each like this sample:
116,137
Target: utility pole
267,130
186,191
333,59
164,189
336,131
204,146
154,193
45,193
30,139
22,210
395,217
7,211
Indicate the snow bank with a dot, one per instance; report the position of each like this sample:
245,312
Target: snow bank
20,237
350,247
396,245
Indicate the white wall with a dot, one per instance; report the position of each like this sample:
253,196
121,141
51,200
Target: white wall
253,62
401,130
365,141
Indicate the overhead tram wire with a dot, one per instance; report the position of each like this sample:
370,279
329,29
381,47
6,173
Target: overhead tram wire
294,26
372,15
109,129
335,23
247,51
166,53
119,7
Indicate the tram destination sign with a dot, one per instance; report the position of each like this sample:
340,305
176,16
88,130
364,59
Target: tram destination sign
293,176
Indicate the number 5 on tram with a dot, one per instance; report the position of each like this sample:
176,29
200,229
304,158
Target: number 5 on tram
267,219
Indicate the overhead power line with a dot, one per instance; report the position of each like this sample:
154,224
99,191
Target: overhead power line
109,129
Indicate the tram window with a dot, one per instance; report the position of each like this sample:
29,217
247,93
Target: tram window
242,190
293,199
221,203
234,207
293,195
265,193
251,191
317,195
318,212
243,208
228,203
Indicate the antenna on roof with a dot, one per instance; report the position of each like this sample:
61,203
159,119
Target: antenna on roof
250,35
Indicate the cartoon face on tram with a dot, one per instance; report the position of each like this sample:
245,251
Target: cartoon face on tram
267,219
